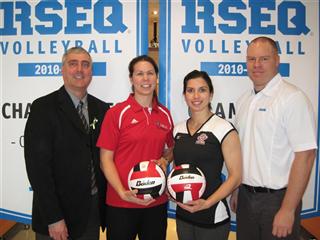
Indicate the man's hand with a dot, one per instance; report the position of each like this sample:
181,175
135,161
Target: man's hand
282,223
58,230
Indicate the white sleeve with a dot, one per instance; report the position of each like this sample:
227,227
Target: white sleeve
299,122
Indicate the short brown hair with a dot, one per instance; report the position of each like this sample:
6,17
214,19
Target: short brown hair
266,39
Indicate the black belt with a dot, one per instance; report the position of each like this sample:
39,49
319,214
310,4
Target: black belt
252,189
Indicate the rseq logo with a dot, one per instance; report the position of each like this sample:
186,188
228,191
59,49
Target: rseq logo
68,17
289,19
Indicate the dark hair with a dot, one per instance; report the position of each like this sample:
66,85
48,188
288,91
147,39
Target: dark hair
198,74
268,40
142,58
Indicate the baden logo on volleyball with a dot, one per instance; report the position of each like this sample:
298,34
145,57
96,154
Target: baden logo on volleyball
186,183
148,178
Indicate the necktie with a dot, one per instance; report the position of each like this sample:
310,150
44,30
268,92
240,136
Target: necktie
94,188
82,117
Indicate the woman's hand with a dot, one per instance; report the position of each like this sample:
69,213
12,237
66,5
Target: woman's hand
194,206
163,163
131,196
165,160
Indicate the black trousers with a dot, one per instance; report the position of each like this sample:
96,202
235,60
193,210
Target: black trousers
127,223
256,212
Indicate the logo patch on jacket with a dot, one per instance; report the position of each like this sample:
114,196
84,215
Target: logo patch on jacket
162,126
201,139
134,121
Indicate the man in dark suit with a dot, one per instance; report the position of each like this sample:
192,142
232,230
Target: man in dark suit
62,160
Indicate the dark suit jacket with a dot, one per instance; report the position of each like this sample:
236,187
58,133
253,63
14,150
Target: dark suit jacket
58,155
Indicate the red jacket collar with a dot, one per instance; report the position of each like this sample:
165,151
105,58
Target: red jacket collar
137,107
